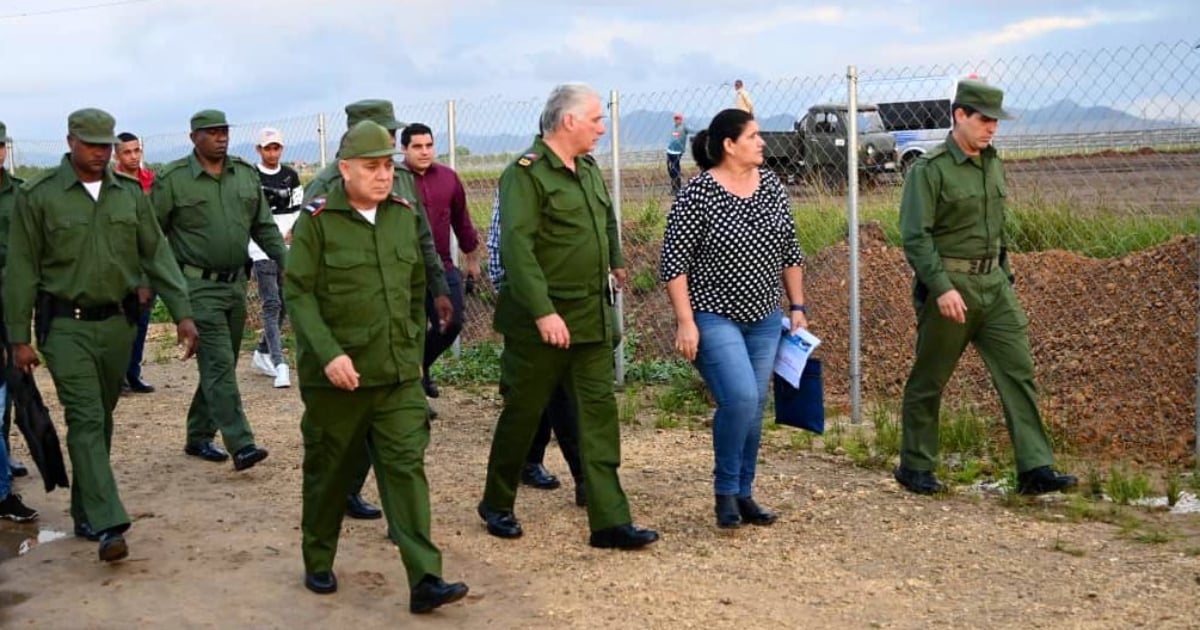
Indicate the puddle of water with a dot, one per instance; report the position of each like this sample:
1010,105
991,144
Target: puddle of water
20,540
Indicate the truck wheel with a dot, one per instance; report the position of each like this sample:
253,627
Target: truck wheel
907,161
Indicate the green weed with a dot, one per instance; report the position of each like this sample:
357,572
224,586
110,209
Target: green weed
1123,487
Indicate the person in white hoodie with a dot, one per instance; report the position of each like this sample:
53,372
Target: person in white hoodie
281,184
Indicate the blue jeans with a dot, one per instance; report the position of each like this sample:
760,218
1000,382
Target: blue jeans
5,473
270,291
736,360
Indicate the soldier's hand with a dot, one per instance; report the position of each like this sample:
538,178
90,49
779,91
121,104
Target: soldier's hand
622,277
554,330
445,311
951,306
187,336
145,294
687,340
26,358
340,371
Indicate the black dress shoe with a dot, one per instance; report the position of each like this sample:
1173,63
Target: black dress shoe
1044,479
248,456
918,481
580,494
754,513
433,591
728,516
138,386
357,507
627,536
431,388
112,547
17,469
84,530
500,523
322,582
537,476
207,451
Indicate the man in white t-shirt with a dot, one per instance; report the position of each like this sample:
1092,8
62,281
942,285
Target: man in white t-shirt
281,185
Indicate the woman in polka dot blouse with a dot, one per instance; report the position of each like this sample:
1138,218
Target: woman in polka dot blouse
729,254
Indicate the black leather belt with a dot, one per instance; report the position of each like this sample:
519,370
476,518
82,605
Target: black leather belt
66,308
215,275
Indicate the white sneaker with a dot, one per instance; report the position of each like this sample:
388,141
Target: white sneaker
282,378
262,363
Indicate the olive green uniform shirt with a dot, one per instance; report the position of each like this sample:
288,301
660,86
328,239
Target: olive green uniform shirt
357,289
10,187
953,205
405,187
210,220
91,252
558,241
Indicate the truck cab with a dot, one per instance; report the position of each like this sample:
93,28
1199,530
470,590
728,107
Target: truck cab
816,148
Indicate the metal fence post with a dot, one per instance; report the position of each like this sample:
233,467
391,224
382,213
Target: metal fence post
852,219
615,130
1197,436
321,136
452,160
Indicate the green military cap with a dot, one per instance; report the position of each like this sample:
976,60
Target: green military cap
94,126
4,133
366,139
981,97
375,109
208,119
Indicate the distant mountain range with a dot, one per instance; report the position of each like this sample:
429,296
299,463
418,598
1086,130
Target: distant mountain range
643,130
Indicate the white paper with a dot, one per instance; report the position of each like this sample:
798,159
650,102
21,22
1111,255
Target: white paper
793,353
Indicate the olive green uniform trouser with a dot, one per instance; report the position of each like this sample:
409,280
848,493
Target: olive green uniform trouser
335,425
220,313
87,361
997,326
529,373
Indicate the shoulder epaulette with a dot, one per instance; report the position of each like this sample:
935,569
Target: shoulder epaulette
241,161
172,166
935,151
315,206
527,159
402,201
126,176
39,178
589,158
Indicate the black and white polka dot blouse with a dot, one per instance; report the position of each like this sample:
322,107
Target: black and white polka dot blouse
733,250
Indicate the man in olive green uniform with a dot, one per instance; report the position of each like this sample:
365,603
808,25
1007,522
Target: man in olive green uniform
380,111
82,237
952,221
558,243
355,292
210,204
9,189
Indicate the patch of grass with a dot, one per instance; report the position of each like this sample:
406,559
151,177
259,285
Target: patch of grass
887,431
667,421
801,440
478,362
858,448
629,405
1153,537
645,280
1062,547
1123,487
1192,552
1174,488
832,439
684,396
970,472
644,223
159,313
963,432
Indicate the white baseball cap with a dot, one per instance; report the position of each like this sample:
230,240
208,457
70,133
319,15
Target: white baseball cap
269,135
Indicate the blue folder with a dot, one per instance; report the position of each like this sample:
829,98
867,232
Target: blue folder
802,407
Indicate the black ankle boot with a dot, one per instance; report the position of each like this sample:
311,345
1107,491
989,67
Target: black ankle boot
728,516
753,513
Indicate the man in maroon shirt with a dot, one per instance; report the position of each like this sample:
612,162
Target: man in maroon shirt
446,207
128,154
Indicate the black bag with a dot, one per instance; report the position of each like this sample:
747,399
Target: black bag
802,407
33,418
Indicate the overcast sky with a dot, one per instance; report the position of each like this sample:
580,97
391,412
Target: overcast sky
154,62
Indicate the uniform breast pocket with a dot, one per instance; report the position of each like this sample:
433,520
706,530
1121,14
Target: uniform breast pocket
67,235
190,213
122,232
345,272
563,212
963,205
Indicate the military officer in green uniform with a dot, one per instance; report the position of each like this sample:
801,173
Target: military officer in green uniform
952,221
82,238
210,205
558,243
355,292
381,111
10,186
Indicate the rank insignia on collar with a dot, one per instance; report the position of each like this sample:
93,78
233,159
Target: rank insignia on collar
402,201
315,206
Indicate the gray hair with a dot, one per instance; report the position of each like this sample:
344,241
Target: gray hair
565,98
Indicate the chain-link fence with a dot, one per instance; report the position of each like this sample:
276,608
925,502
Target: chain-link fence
1104,216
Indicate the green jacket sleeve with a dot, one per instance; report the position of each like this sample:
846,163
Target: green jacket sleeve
158,263
299,290
918,212
23,270
266,234
520,217
162,199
